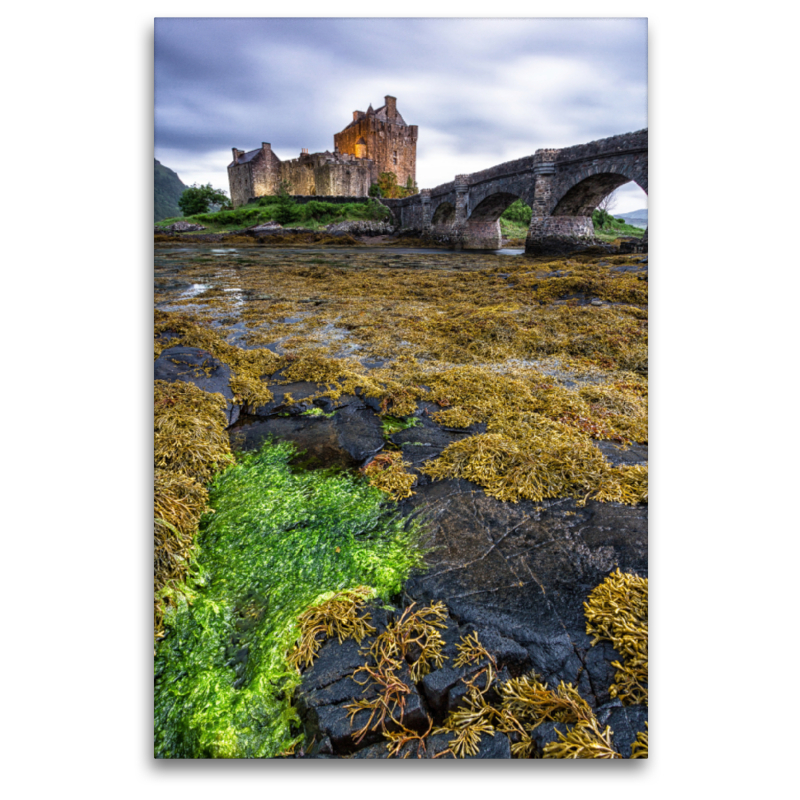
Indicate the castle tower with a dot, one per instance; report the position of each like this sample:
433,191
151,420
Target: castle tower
383,136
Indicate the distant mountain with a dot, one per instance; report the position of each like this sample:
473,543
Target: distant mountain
637,218
168,188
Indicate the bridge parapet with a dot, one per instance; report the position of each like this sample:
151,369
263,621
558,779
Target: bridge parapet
603,148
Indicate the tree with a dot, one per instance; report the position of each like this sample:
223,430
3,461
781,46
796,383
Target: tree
411,187
604,208
197,199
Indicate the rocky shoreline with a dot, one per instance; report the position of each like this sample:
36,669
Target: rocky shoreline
515,574
351,233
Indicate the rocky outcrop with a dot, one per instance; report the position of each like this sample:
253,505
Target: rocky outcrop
197,366
181,226
358,227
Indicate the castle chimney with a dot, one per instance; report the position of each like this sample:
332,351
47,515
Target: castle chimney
391,106
236,154
357,115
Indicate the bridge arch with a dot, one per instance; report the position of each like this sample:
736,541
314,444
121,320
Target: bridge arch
582,194
491,207
444,214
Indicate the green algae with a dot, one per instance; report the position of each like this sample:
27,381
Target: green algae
276,541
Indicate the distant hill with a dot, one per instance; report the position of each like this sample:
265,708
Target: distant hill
168,188
636,218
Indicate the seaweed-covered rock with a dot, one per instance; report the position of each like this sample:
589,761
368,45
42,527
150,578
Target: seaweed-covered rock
348,731
524,570
438,746
197,366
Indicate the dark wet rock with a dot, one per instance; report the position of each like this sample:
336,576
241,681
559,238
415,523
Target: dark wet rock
626,722
631,244
497,746
436,686
604,711
438,745
359,432
315,438
334,661
344,690
321,748
524,571
505,651
547,732
345,730
426,440
637,267
374,403
616,454
456,697
334,722
346,439
197,366
598,661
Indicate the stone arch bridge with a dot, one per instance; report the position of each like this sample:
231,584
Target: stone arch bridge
562,187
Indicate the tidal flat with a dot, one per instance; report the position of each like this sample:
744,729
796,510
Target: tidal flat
481,420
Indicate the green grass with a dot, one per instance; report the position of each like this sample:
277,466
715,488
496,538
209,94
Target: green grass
277,541
614,228
313,215
513,230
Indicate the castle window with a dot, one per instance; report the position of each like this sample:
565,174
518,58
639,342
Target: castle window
394,157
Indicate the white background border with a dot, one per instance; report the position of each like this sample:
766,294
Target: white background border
78,293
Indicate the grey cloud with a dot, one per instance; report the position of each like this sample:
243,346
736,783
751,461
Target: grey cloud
221,83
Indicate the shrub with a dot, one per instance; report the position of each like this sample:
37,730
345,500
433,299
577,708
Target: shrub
518,212
285,208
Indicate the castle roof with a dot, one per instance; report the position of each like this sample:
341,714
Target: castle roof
380,114
248,156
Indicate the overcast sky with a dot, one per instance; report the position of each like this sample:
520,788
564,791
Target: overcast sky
482,91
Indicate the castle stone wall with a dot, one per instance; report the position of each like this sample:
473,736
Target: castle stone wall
387,140
377,142
254,176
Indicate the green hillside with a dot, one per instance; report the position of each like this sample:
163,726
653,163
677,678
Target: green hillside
168,188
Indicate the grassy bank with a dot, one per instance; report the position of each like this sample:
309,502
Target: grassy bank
313,215
610,228
316,215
